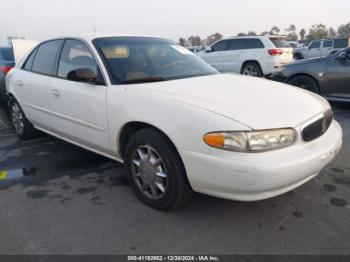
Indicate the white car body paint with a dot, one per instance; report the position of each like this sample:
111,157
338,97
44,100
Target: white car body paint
232,61
185,110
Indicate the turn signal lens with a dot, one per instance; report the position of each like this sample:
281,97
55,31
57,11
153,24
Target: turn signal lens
214,139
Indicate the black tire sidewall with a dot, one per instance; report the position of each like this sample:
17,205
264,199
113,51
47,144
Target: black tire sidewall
174,167
304,79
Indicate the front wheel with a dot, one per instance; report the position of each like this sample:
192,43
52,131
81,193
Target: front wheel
155,171
24,129
304,82
252,69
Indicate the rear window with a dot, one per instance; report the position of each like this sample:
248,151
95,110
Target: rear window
279,42
341,43
6,54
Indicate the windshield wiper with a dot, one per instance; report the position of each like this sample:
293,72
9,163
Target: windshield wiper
144,80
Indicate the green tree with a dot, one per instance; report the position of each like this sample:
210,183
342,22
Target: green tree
213,38
302,34
195,40
317,31
291,33
241,34
332,33
275,30
182,41
344,30
251,33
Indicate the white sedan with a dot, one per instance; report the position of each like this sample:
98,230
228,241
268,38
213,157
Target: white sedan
177,124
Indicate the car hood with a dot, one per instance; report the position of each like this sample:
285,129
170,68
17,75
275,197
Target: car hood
256,103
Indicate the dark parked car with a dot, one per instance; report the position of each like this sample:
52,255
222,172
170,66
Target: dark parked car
7,61
328,76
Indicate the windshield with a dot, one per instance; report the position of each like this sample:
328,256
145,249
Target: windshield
131,60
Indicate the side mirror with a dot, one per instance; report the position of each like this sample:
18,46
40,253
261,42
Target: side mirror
342,56
86,75
208,49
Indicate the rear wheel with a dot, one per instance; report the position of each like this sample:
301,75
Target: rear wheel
252,69
24,129
304,82
155,171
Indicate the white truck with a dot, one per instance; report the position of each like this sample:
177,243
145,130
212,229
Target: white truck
320,48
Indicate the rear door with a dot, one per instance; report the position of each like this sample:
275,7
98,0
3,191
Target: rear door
33,82
327,47
79,107
338,77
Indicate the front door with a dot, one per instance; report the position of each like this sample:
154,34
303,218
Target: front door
79,107
338,77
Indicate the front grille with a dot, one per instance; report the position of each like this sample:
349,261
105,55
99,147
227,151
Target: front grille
317,128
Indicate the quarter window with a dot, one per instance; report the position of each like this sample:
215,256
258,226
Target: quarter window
220,46
29,63
75,55
46,58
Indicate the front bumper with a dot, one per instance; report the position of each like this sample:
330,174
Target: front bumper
251,177
279,77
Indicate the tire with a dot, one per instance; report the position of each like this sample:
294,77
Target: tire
251,69
304,82
298,56
24,129
152,161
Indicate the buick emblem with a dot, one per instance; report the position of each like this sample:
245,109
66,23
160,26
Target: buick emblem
324,126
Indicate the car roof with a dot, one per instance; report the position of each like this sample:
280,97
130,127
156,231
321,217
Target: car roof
89,37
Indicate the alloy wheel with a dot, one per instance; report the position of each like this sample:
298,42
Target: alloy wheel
250,71
17,118
149,172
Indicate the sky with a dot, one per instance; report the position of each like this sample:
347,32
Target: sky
40,19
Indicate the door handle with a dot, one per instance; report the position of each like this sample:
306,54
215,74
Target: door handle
19,83
55,94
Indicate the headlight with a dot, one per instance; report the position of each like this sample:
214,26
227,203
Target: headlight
251,141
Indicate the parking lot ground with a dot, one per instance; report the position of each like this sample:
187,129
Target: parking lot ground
56,198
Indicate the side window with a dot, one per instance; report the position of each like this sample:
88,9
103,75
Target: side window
254,44
316,44
236,44
46,58
328,44
29,63
220,46
75,54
